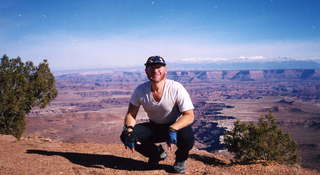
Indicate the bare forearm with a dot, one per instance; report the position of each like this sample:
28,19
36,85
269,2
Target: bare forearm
185,120
129,120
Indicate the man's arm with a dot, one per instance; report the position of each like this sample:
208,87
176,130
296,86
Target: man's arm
186,119
129,122
130,118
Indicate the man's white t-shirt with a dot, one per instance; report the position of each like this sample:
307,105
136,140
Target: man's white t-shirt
174,101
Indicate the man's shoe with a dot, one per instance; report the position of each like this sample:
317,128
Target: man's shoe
180,167
161,156
155,161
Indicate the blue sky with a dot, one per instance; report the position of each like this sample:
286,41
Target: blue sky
117,33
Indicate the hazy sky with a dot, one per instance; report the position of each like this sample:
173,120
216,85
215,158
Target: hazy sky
104,33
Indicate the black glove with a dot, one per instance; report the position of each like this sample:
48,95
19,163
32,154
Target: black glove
129,138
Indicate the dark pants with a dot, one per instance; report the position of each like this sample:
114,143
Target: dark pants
150,133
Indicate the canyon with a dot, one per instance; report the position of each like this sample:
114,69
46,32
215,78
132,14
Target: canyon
91,105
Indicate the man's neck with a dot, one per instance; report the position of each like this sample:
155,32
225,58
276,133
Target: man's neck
157,86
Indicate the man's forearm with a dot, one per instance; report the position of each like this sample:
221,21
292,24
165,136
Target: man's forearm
129,120
186,119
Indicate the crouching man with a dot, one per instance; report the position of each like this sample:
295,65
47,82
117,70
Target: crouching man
170,111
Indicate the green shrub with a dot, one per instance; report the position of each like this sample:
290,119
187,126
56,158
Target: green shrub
22,86
263,140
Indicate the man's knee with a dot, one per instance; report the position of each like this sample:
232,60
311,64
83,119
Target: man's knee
186,138
141,130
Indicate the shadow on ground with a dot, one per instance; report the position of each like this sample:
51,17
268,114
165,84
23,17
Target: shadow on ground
208,160
98,161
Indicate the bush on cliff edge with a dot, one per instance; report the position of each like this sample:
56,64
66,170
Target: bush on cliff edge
22,86
263,140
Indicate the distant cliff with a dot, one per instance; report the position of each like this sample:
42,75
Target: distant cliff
246,75
198,76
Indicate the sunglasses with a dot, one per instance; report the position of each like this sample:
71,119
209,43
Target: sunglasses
154,66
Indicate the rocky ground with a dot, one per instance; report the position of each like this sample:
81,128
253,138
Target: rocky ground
38,155
90,109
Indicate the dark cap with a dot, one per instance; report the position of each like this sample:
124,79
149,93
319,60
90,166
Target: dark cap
155,60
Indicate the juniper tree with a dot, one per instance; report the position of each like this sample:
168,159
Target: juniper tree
263,140
22,86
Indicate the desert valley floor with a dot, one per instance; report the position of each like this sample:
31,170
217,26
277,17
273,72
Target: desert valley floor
91,105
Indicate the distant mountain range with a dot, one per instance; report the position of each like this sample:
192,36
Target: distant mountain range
246,65
219,65
102,78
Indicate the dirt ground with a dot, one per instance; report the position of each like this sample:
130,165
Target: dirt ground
39,155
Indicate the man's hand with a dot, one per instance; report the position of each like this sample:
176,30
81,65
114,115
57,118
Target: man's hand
129,138
172,138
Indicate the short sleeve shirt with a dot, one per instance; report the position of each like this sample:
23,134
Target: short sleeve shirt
175,100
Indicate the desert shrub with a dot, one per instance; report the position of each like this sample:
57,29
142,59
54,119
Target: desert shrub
22,86
263,140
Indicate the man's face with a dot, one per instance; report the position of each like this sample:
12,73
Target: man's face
156,72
